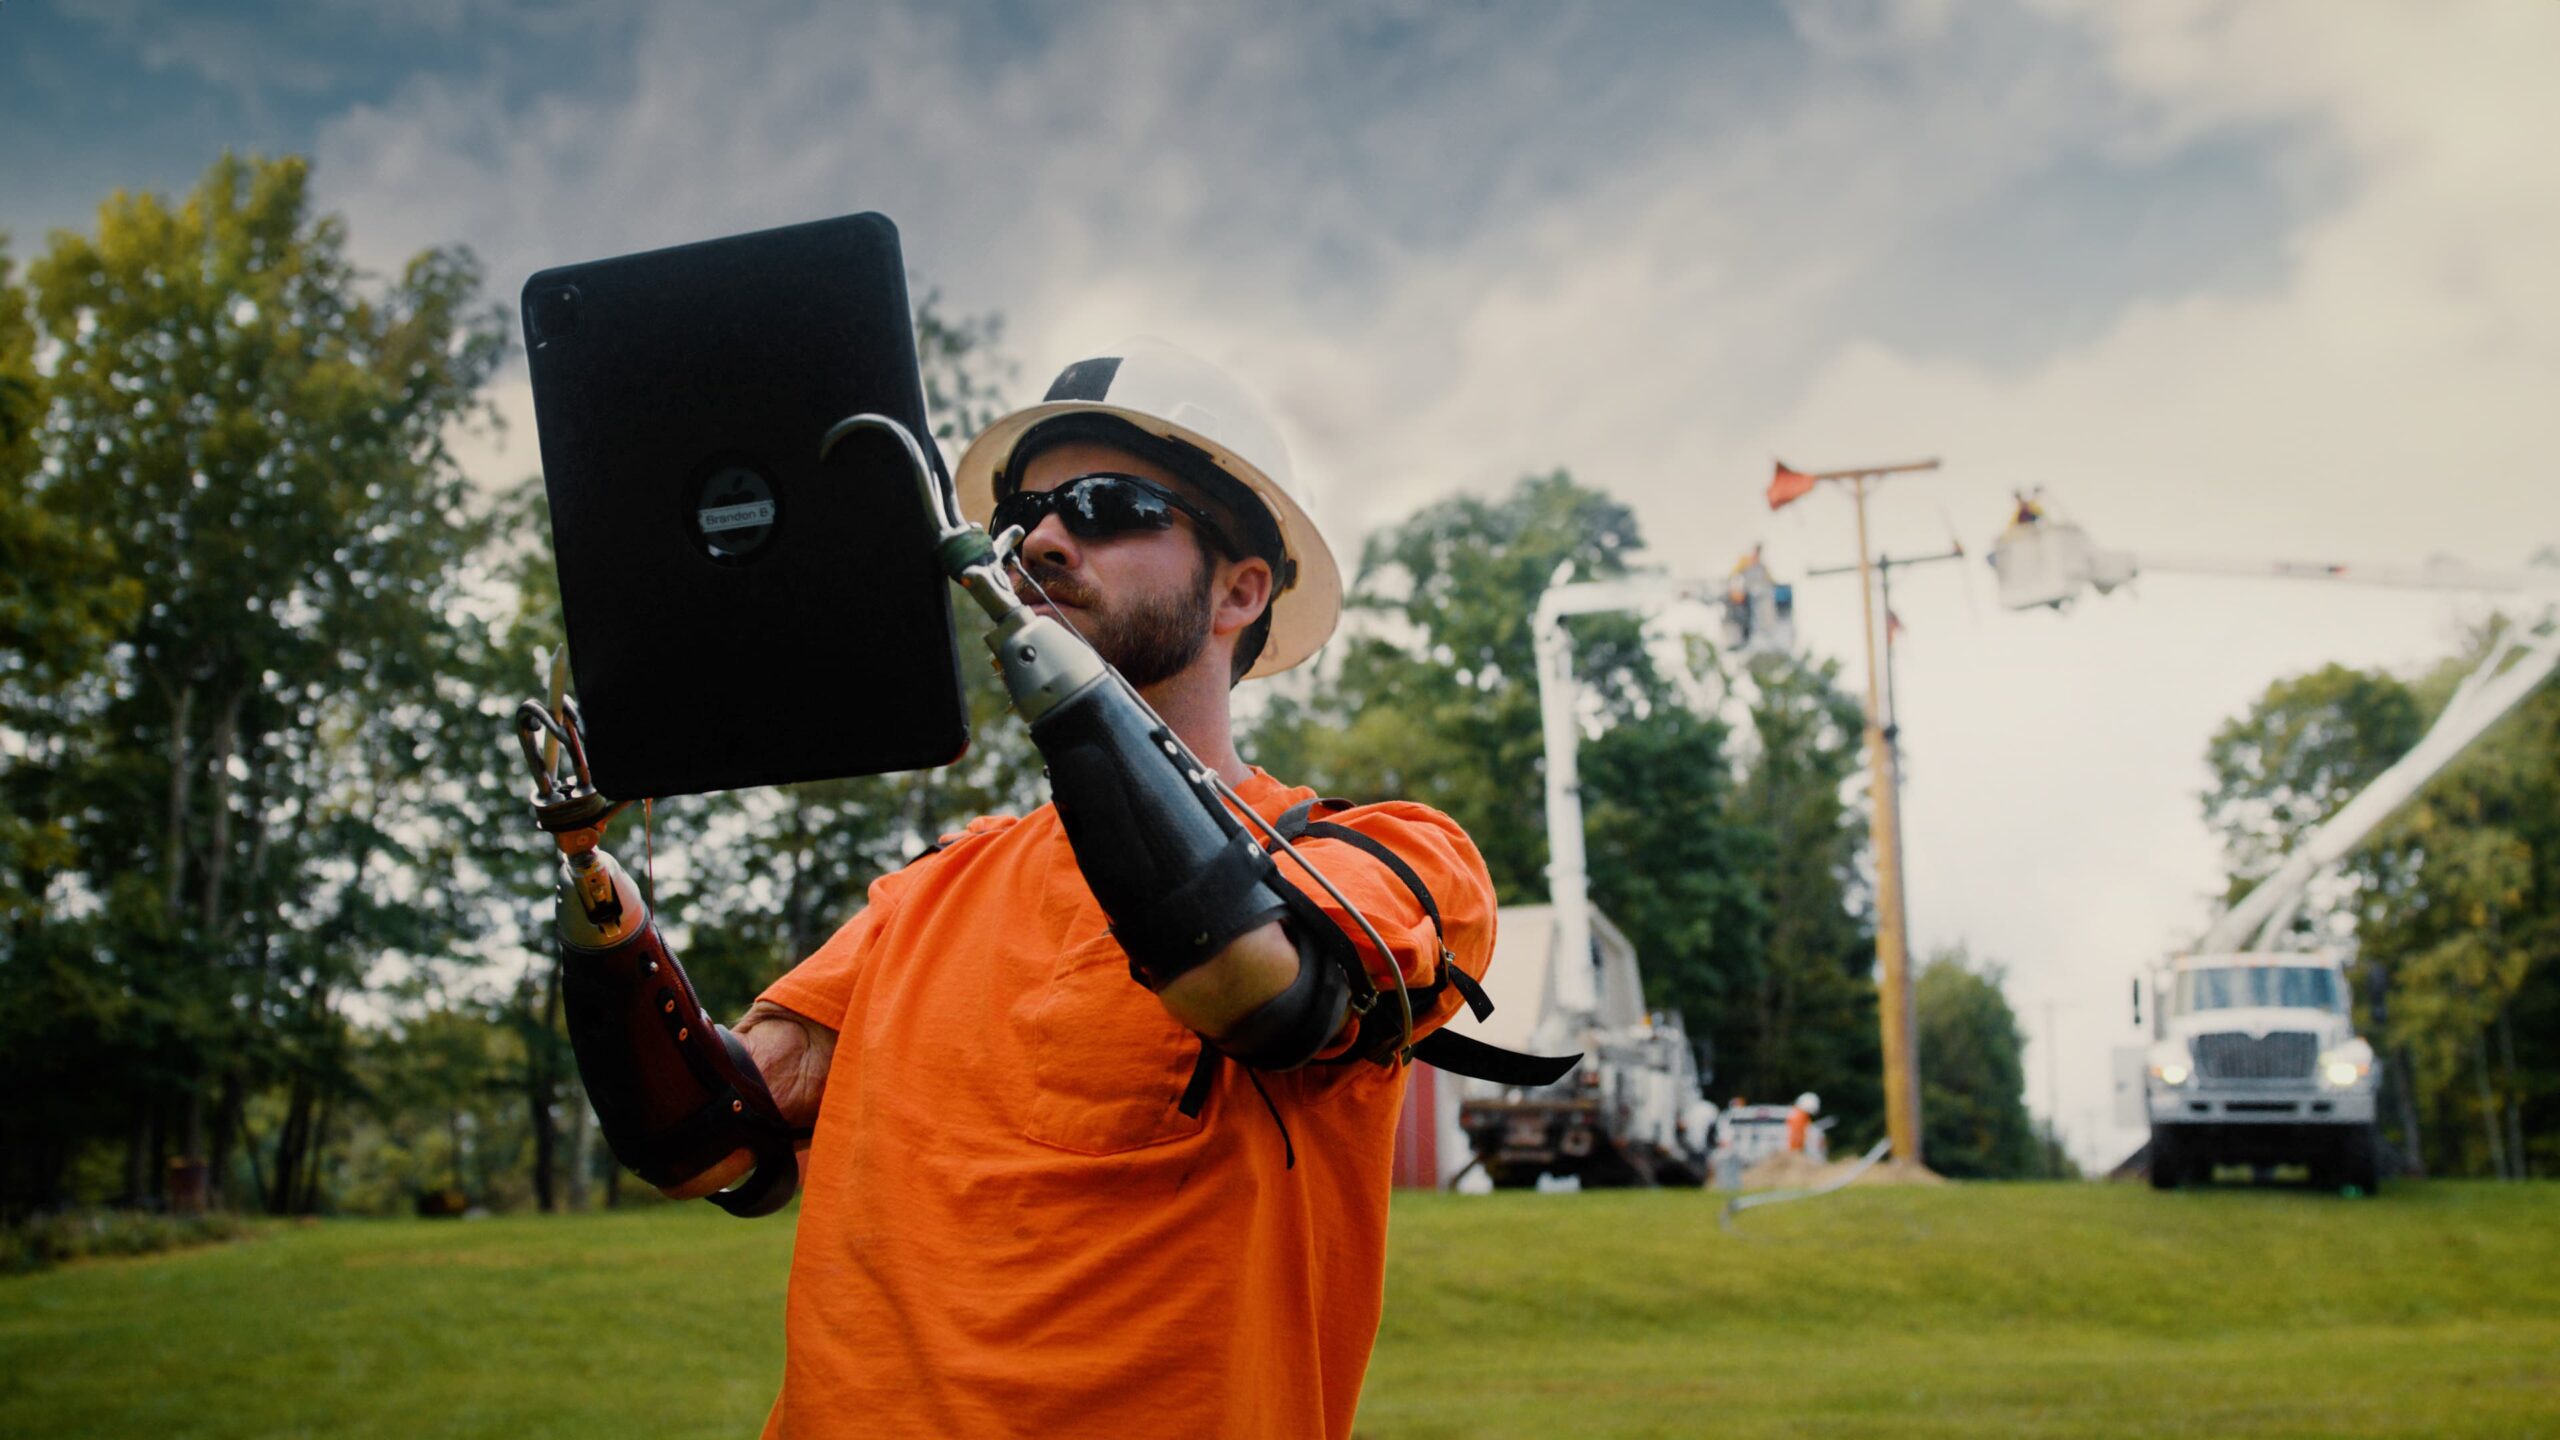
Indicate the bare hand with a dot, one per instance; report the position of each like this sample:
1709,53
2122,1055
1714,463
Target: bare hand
792,1051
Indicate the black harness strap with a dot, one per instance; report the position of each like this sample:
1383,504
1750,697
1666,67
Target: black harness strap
1204,1073
1457,1054
1466,1055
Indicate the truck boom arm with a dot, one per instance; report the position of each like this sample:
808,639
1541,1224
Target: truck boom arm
1568,875
2521,660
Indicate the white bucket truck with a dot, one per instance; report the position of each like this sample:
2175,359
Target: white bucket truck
2255,1061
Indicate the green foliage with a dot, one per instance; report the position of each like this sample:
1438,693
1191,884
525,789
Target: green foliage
1973,1110
2308,746
247,776
49,1240
61,604
2452,908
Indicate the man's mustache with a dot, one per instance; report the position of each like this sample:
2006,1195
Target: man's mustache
1046,576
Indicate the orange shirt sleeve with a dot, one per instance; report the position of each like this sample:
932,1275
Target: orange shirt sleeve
821,986
1450,868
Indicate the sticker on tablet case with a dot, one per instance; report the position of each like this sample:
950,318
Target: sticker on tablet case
733,513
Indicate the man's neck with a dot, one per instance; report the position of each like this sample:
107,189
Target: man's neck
1194,703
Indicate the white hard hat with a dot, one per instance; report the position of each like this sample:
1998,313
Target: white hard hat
1809,1103
1205,415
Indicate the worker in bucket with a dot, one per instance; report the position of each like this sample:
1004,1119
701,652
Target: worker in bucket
1102,1118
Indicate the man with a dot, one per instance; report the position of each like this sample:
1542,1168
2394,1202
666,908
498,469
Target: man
1041,1197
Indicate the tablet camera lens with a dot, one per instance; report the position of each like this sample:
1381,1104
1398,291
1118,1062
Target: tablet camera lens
553,313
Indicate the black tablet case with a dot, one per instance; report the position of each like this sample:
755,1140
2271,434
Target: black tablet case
740,614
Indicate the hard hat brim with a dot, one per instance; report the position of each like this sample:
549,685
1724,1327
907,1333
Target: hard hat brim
1302,618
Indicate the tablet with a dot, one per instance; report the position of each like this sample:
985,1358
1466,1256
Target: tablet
740,614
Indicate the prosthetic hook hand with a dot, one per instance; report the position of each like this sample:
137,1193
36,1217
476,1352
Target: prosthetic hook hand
674,1093
1178,876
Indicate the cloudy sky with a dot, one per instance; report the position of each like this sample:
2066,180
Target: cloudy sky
2260,281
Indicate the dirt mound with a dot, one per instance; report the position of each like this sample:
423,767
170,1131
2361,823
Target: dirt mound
1790,1171
1786,1170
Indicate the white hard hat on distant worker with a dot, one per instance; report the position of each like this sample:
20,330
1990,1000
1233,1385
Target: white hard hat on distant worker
1199,423
1809,1103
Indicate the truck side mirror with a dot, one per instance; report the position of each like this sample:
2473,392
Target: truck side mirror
2137,1001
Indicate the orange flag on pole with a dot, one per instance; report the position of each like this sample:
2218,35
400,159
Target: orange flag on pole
1788,485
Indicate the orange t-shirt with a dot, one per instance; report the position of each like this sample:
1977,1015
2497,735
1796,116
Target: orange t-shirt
1010,1228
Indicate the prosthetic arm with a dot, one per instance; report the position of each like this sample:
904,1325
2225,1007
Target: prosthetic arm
674,1093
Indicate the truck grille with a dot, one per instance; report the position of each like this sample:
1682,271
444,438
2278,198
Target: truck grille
2285,1055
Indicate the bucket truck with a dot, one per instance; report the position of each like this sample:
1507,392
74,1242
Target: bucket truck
1635,1112
2254,1057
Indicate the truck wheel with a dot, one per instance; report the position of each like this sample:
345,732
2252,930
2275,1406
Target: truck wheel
2360,1160
2168,1160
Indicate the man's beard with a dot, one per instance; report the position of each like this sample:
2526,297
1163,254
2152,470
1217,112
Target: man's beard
1147,638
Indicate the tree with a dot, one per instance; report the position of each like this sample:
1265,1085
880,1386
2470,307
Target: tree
1973,1110
259,432
61,605
2306,748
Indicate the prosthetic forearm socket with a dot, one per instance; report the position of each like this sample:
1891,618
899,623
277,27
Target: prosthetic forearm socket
1177,875
674,1093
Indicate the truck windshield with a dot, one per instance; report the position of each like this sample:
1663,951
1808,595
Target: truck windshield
2292,987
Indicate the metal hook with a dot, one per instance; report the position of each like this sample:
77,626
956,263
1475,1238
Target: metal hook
939,502
532,718
558,807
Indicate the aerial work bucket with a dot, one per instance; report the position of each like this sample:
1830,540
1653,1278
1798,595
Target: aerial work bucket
1759,613
2044,561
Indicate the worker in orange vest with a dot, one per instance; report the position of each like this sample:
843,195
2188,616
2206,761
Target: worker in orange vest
1800,1121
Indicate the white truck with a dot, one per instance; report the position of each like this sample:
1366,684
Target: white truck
2254,1058
2255,1061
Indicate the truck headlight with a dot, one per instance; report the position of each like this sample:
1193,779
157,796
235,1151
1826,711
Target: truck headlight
2172,1073
2346,1066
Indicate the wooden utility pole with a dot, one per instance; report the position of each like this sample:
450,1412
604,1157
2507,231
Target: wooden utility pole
1885,565
1896,1015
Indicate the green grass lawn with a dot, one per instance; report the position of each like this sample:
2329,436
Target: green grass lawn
1968,1310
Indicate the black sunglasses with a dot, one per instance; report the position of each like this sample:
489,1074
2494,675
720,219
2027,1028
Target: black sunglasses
1104,504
